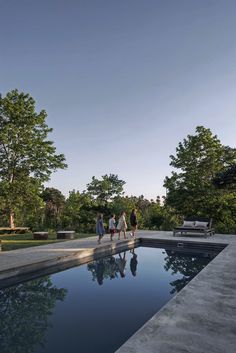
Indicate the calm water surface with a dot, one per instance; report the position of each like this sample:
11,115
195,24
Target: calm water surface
93,308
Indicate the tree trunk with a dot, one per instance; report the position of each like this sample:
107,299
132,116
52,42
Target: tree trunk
12,216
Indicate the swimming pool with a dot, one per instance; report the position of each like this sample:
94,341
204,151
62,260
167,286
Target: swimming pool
96,307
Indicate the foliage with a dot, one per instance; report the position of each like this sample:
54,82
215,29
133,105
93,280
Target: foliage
191,191
226,179
27,157
153,216
54,205
120,204
79,212
106,189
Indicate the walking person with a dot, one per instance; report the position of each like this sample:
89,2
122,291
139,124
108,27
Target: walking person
112,226
100,230
122,225
133,222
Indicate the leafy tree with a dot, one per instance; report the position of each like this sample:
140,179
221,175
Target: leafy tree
199,158
54,204
26,155
170,218
122,203
106,189
153,216
79,212
28,207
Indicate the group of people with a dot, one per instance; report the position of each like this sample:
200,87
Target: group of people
120,227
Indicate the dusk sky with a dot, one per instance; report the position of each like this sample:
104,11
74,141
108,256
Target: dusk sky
122,81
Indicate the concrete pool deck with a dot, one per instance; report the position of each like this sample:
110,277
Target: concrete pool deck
201,318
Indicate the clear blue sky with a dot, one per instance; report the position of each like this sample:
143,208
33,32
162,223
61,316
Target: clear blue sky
122,81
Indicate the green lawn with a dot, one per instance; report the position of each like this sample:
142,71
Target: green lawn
19,241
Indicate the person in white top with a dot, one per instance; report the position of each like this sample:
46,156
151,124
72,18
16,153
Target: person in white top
122,225
112,226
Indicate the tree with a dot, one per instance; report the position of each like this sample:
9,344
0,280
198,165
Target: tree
153,216
54,204
107,188
79,212
199,158
122,203
27,157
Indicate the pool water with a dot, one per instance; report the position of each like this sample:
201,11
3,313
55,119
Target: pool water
96,307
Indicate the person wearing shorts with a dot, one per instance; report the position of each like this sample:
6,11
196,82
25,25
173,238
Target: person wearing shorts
112,226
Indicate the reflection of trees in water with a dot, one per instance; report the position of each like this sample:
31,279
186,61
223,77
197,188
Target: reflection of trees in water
24,312
186,264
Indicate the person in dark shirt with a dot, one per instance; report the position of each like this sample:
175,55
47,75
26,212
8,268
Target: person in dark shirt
133,222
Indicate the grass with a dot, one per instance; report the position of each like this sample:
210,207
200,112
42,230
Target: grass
20,241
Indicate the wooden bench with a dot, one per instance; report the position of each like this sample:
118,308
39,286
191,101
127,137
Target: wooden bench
14,230
195,225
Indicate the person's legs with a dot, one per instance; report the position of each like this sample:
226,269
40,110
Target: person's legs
124,234
112,233
99,238
134,228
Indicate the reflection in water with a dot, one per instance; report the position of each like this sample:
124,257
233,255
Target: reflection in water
121,262
186,263
24,313
133,263
112,267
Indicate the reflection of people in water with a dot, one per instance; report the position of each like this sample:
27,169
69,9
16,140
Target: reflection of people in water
112,263
100,271
121,262
133,263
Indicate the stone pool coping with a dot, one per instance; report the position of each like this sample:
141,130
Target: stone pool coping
201,318
24,264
